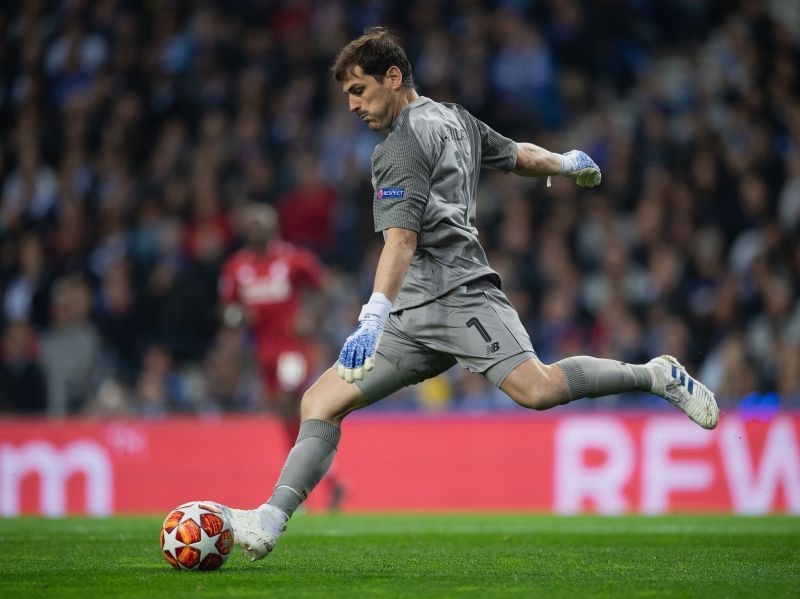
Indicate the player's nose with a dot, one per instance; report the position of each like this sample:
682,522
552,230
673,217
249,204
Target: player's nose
355,104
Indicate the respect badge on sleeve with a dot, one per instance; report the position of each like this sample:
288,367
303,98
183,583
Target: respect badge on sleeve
388,193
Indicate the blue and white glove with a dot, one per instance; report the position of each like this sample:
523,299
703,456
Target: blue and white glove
578,164
358,352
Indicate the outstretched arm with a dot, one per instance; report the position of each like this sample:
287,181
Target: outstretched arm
358,352
534,161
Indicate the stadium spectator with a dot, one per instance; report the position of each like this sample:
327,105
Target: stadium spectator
72,352
159,389
23,388
27,293
118,320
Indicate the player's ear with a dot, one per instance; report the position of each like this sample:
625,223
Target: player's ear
395,78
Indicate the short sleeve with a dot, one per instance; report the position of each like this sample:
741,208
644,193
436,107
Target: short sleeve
497,151
401,176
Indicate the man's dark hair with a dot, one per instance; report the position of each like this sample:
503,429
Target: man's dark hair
375,52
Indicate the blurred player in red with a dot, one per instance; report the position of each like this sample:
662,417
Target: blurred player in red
276,289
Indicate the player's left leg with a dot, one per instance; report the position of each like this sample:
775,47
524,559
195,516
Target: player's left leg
292,372
323,407
400,361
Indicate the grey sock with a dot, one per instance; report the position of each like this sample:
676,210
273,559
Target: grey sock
307,463
596,377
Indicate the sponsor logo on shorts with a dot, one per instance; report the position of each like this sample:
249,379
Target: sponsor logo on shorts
492,348
395,193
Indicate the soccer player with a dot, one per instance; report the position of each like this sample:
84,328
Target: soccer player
436,301
262,286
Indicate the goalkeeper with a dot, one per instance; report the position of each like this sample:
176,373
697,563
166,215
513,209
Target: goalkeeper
436,299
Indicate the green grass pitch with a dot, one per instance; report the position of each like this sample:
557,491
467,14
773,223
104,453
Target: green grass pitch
420,556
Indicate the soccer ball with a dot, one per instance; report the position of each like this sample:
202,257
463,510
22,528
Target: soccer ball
196,536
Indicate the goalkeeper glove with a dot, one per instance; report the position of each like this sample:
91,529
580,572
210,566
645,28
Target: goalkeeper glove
577,164
358,352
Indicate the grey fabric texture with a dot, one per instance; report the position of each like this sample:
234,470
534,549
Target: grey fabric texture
425,175
474,325
597,377
319,428
307,463
399,162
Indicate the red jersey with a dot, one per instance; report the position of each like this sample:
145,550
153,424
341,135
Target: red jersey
269,286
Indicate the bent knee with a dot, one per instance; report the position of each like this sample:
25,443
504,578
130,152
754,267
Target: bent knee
330,399
534,399
314,406
537,386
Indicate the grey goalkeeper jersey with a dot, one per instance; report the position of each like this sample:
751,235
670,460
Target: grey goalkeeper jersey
425,176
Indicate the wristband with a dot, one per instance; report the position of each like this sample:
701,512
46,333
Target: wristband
377,308
563,170
565,166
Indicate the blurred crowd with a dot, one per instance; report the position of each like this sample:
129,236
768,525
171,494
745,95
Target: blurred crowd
133,133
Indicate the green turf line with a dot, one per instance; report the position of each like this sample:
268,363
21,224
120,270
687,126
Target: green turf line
460,555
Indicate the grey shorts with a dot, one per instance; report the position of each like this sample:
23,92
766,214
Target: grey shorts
473,325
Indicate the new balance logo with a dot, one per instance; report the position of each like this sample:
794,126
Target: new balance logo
492,348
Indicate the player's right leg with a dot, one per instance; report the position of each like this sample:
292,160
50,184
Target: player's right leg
480,316
540,386
673,383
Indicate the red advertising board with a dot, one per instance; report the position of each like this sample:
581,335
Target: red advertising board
570,463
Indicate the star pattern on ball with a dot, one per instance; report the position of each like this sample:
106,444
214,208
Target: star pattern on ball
170,542
186,544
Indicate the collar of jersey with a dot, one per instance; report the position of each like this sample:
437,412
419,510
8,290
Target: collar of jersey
404,111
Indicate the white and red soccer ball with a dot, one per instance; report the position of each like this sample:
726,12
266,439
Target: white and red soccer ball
196,536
